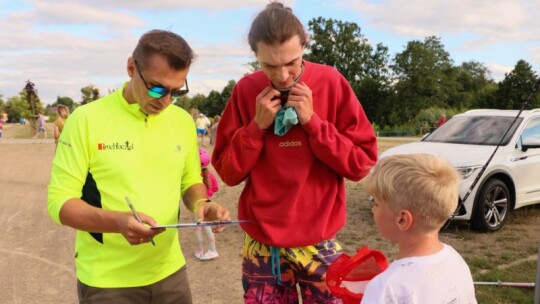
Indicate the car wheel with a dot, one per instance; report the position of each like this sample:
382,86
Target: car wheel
491,206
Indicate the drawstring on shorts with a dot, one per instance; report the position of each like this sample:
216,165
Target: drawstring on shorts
276,264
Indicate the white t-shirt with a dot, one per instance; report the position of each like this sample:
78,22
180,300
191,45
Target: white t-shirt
441,278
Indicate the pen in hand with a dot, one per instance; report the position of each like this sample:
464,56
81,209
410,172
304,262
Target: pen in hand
138,218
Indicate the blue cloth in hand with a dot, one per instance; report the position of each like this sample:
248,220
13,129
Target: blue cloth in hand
285,119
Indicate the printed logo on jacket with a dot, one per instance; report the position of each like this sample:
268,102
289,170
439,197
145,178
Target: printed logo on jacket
116,146
290,143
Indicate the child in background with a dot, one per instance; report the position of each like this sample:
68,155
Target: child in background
63,113
212,187
413,196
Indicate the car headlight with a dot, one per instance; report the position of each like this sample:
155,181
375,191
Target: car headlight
467,171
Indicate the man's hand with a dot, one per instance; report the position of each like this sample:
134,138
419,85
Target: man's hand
267,107
301,98
212,211
138,233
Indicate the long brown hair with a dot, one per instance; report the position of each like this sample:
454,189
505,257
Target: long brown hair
275,24
62,111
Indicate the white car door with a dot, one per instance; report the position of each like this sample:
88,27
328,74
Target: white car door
528,165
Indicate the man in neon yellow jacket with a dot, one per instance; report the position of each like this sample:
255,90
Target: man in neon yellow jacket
131,145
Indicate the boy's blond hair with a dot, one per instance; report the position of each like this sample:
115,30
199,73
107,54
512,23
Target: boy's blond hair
424,184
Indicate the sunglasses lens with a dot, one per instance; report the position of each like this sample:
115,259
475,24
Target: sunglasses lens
179,93
157,92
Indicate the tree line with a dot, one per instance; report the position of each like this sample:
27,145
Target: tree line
405,91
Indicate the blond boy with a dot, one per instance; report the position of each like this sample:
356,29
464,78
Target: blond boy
413,196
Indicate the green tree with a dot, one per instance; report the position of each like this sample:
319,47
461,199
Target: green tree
225,96
198,101
17,107
213,104
30,94
89,94
253,65
342,45
486,96
516,87
424,78
183,102
64,100
469,80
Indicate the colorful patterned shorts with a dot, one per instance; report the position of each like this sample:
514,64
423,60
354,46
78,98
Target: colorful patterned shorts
271,275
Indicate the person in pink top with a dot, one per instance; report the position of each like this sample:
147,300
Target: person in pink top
292,132
212,187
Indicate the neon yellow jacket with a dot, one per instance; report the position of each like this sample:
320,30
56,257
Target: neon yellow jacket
109,149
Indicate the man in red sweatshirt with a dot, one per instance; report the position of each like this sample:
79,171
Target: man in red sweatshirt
294,191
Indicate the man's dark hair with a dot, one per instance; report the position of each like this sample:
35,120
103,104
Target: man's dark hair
177,51
275,24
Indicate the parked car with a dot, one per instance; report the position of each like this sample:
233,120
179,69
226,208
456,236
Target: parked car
512,178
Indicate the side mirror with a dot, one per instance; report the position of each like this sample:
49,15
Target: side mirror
530,143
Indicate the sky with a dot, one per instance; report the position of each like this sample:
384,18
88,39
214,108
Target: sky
64,45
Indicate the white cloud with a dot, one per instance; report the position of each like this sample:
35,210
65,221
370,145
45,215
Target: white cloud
498,71
184,4
491,21
73,12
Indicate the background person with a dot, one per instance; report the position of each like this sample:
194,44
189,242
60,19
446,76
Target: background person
413,196
294,191
63,113
40,126
202,124
441,120
213,129
212,187
133,144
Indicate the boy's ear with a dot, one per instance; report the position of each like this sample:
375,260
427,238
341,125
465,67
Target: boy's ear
404,220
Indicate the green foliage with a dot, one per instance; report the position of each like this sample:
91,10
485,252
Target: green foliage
342,45
210,105
64,100
89,94
516,87
423,71
17,107
397,130
253,65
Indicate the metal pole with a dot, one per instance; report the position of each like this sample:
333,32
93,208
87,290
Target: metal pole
537,287
510,284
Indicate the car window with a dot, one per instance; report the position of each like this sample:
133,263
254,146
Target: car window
531,132
475,130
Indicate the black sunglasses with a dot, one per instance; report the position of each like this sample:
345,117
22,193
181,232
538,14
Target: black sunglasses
159,92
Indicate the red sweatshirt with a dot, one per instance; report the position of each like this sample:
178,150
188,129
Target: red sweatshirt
294,191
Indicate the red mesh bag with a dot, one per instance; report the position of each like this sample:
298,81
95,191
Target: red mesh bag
347,276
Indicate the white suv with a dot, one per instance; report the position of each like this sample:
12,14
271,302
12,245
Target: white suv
512,178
